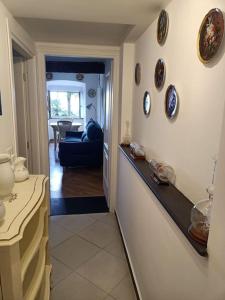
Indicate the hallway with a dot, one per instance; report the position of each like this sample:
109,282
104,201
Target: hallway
88,259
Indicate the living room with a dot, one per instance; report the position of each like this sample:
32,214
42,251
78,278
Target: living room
76,101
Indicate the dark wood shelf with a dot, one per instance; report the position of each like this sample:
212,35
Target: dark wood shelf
175,203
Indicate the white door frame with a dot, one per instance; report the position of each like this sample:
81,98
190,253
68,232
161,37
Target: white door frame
69,50
27,48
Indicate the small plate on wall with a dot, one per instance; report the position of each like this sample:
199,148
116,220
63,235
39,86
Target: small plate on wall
171,102
137,74
160,74
147,104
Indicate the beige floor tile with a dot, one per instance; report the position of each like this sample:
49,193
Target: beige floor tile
75,223
75,287
55,219
104,270
99,233
116,248
124,290
98,216
59,272
57,234
74,252
109,219
109,298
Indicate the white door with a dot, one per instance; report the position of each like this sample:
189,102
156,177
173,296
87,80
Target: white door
22,111
106,129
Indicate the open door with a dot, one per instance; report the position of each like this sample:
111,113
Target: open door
22,108
106,130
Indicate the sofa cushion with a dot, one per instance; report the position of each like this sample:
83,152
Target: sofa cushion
86,139
94,131
84,134
89,122
72,140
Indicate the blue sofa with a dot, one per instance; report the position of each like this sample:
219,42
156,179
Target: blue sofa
82,148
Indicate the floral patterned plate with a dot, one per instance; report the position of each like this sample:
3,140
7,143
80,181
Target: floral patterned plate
210,35
162,28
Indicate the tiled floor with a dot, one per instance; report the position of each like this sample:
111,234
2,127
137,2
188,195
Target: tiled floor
88,259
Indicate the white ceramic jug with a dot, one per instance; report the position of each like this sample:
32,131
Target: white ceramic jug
20,171
7,178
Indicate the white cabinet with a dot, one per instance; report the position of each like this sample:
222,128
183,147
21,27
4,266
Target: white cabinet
24,260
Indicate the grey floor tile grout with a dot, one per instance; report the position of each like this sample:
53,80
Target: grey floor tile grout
91,282
79,230
84,262
51,248
128,273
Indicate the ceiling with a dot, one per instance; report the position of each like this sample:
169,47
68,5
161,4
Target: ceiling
105,22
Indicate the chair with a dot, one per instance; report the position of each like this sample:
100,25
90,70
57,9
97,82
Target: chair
63,127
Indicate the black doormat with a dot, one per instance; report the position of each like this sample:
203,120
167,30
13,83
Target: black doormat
78,205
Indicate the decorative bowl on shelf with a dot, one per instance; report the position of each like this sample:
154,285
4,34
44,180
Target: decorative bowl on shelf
163,172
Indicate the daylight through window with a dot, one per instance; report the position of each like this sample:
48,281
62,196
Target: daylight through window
64,104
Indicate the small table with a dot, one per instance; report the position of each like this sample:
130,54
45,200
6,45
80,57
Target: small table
54,125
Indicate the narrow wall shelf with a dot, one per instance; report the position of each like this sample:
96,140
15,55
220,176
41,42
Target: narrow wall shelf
175,203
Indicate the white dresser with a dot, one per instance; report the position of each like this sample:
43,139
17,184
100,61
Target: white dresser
24,261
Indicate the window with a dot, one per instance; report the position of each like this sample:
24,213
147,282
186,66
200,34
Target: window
64,104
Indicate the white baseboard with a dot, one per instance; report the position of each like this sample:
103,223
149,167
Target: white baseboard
129,259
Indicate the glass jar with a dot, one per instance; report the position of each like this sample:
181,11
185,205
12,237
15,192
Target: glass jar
200,221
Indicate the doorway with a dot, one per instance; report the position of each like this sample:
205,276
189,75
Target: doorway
78,92
22,115
106,52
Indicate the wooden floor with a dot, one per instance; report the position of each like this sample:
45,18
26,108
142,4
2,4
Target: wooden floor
73,182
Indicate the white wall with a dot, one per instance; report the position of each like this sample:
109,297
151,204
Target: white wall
7,124
164,263
126,88
189,142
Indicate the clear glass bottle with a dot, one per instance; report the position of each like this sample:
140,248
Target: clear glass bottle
201,218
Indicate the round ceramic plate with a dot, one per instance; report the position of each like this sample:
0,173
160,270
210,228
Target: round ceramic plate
162,28
137,74
91,93
147,103
80,76
49,76
210,35
160,72
171,102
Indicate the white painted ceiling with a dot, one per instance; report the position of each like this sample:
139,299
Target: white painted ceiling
65,19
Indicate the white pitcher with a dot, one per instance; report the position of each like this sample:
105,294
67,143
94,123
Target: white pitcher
7,180
20,171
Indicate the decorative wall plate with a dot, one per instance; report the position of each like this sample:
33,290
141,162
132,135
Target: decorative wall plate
79,76
210,35
171,102
49,76
137,74
91,93
160,72
162,28
147,103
